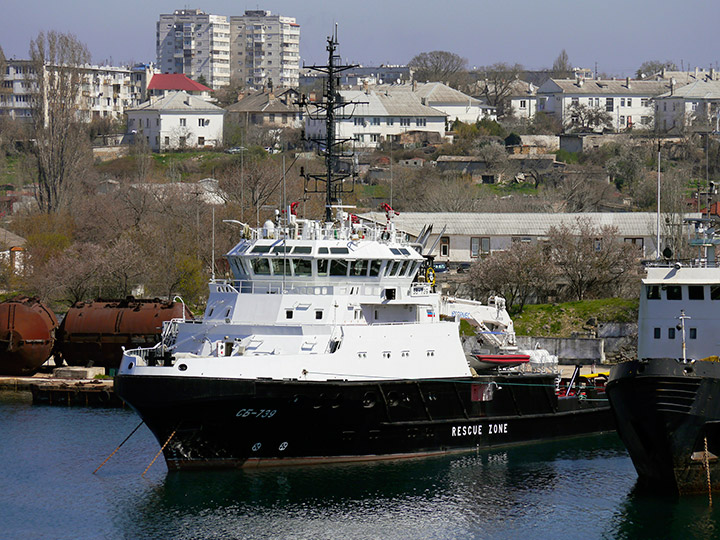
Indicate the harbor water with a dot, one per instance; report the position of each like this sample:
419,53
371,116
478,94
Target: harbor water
579,488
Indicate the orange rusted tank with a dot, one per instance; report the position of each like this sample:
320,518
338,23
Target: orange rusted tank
93,333
27,335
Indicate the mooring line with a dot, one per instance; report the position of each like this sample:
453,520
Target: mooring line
118,448
160,452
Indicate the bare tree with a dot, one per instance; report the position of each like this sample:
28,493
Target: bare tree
496,84
561,68
518,274
591,261
440,66
61,143
584,118
651,67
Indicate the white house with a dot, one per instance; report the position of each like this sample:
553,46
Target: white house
629,102
523,100
372,116
455,104
177,120
696,104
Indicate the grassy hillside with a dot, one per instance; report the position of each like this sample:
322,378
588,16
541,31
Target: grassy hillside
561,320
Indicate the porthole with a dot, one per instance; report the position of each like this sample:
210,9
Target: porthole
369,400
182,367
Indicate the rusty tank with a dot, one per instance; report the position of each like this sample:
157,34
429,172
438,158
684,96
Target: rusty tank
27,335
93,333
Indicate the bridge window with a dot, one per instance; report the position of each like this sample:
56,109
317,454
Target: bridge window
674,292
338,267
656,333
653,292
375,268
322,266
302,267
671,333
693,333
358,268
715,292
261,267
696,292
389,267
401,268
281,267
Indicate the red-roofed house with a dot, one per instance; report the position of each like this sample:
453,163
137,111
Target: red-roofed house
163,83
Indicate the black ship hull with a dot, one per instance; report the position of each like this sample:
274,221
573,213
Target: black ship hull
223,423
668,415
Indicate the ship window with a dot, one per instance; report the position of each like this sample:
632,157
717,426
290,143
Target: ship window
674,292
375,268
715,292
358,268
338,267
323,250
322,265
404,251
281,267
693,333
653,292
261,249
395,251
302,267
303,250
389,267
656,333
288,313
696,292
339,250
671,333
401,269
281,249
261,267
318,314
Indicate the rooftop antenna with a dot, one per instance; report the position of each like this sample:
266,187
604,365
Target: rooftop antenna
329,146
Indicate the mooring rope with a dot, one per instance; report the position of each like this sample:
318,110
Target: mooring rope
706,457
160,452
118,447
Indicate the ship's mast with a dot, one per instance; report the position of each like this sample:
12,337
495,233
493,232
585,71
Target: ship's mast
330,146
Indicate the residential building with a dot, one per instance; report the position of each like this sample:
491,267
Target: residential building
195,43
178,120
693,106
372,116
163,83
358,76
523,100
105,92
265,50
629,102
267,108
469,236
455,104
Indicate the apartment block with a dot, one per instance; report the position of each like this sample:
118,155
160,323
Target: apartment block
265,50
105,91
195,43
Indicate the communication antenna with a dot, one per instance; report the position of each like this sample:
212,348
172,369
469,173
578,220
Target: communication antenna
330,147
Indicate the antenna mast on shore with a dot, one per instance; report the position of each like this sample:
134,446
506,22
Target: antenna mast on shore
329,146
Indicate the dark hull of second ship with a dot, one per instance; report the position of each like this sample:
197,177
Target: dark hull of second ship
223,423
666,412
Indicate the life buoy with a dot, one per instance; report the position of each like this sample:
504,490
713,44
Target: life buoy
430,276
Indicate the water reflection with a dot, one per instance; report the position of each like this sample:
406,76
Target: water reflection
473,496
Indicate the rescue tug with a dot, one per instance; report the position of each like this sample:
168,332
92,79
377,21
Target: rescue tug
327,345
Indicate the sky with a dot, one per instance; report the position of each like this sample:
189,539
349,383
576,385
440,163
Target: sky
617,35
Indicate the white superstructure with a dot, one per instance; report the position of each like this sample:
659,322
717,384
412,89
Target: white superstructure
679,303
315,302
